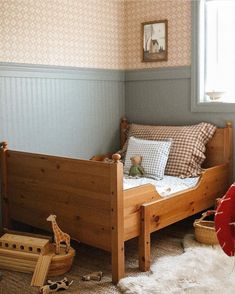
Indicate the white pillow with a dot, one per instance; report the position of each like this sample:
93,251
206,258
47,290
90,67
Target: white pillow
154,156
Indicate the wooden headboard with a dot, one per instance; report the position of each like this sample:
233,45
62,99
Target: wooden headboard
218,149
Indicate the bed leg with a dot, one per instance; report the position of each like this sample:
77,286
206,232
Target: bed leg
118,265
117,220
144,240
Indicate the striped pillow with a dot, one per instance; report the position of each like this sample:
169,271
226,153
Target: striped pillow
154,156
188,146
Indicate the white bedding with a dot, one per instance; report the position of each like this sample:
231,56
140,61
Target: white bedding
165,187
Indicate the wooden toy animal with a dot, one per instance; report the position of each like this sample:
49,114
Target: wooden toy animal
55,286
96,276
59,235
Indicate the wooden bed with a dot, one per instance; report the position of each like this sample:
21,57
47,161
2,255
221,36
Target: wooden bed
88,197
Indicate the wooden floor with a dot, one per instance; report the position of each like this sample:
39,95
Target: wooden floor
165,242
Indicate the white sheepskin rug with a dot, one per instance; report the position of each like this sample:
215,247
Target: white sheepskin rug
201,269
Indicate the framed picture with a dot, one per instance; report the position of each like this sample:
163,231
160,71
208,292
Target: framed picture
154,41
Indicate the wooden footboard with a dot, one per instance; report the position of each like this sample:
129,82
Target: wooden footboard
86,196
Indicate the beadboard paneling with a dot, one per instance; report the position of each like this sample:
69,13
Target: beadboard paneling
60,111
163,96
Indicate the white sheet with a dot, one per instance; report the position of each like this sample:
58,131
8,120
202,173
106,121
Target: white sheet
165,187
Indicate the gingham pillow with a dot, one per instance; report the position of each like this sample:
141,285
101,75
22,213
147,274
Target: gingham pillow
154,156
188,147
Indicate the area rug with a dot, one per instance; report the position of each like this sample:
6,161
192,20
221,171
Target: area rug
89,259
201,269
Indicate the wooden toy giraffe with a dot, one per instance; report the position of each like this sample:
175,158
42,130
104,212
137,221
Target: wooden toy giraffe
59,235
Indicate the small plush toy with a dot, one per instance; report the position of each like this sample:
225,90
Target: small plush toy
93,276
55,286
136,170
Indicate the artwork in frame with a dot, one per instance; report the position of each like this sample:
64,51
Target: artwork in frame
155,40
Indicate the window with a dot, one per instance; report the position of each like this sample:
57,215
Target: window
213,50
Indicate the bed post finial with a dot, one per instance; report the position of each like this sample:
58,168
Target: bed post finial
3,145
116,157
123,131
123,119
229,124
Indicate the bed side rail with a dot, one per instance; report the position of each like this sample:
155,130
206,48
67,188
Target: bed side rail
165,211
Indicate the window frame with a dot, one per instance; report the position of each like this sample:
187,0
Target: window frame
198,62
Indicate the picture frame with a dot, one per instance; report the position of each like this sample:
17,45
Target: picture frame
155,41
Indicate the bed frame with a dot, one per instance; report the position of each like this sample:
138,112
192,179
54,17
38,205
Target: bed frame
88,198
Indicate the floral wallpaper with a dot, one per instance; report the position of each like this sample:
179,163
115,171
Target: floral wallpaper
83,33
90,33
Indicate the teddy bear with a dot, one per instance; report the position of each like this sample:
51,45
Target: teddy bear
136,170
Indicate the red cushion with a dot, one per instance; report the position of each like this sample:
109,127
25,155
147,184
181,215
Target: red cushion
224,219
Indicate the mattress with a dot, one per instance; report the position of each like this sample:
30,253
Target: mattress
165,187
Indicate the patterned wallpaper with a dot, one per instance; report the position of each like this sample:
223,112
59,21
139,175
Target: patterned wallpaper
83,33
178,14
90,33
